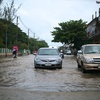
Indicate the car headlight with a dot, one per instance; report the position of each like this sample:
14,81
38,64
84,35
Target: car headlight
59,60
89,60
37,59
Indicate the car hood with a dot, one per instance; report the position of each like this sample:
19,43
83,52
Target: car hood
92,55
48,57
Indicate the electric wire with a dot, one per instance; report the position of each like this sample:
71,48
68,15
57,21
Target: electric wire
35,35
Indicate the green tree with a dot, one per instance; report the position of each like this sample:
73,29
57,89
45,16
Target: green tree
32,44
1,1
2,35
9,11
42,43
0,8
13,33
71,32
35,44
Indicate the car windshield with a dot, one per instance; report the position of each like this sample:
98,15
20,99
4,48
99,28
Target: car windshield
48,52
92,49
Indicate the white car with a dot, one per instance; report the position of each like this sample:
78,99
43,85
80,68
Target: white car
68,52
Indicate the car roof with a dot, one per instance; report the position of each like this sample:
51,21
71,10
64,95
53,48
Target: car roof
47,48
91,45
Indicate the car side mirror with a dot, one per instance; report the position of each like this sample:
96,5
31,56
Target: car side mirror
79,52
61,55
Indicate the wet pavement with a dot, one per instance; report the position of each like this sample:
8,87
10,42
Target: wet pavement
20,73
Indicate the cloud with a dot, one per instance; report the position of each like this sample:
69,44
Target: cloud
42,15
23,12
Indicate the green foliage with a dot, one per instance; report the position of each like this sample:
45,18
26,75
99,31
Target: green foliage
11,34
1,1
2,35
15,36
70,32
9,11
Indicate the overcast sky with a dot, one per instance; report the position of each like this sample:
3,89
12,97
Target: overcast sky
40,16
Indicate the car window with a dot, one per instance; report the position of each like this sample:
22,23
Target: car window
92,49
48,52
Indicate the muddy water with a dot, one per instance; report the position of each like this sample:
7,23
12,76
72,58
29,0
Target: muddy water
20,73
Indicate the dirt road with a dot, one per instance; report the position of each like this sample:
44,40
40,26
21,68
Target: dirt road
19,80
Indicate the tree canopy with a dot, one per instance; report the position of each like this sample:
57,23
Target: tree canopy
70,32
11,34
1,1
15,36
9,11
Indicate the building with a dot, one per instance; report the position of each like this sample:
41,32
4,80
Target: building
93,29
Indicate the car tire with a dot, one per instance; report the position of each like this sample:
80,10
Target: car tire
83,69
60,67
35,67
78,65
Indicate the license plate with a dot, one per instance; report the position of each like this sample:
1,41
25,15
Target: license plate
47,64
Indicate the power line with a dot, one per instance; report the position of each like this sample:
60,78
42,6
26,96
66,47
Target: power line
22,23
34,35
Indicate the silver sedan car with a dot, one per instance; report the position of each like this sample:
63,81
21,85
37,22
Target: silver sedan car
48,58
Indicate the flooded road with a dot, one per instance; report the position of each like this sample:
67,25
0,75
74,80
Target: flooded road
20,73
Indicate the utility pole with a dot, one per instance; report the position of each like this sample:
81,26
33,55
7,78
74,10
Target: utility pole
28,41
34,42
16,30
33,35
6,42
6,36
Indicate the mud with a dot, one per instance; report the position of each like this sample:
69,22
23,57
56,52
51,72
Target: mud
20,73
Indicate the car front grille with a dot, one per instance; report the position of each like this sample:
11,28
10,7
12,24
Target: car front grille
48,60
53,65
96,60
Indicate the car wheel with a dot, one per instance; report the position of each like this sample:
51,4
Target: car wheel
35,67
60,67
83,69
78,65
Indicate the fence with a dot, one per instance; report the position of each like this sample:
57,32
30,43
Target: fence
8,52
5,52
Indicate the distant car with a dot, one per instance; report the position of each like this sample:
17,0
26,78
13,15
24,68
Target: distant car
88,58
68,52
48,58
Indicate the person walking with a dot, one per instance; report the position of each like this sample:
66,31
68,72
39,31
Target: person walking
14,53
